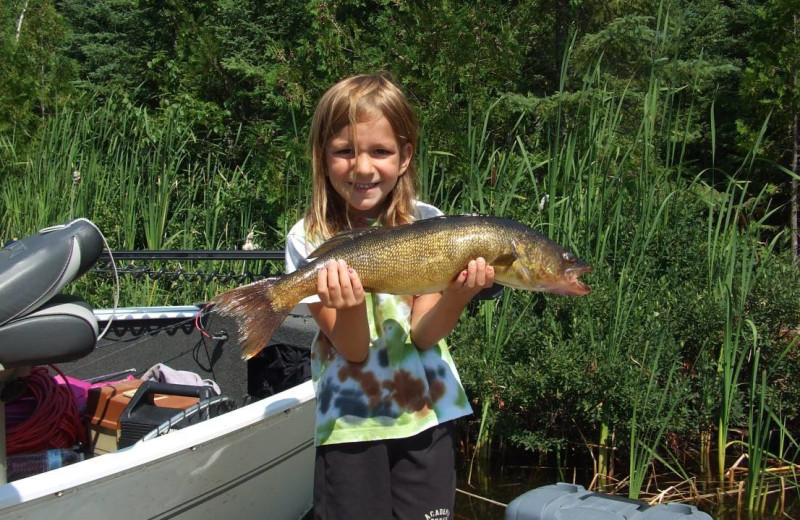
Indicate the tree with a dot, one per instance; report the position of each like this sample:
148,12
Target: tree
771,88
36,75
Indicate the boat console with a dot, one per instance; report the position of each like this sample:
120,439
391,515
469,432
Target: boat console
38,324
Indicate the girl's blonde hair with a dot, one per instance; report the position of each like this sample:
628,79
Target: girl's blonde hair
348,102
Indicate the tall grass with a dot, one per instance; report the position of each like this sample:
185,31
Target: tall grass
617,189
611,213
646,436
733,247
143,181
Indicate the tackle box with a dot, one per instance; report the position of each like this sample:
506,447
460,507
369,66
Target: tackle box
572,502
104,405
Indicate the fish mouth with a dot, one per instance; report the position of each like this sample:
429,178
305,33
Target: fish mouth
574,286
567,284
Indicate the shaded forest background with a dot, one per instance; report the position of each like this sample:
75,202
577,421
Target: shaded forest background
244,76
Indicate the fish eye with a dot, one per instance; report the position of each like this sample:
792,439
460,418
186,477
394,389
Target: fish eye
568,256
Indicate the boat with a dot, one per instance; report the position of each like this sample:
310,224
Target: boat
246,453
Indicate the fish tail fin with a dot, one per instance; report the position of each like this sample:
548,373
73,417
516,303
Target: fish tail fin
256,312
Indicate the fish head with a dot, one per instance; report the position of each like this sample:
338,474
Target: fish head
536,263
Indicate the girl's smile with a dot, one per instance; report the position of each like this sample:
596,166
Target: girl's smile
364,168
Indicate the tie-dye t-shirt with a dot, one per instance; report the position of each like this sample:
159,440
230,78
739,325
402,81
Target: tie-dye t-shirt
399,390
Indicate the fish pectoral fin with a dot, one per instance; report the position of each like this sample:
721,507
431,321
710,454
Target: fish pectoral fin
514,256
504,260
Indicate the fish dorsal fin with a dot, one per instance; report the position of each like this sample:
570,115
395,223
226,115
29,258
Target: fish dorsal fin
344,237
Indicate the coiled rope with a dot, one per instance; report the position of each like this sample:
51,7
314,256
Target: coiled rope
54,421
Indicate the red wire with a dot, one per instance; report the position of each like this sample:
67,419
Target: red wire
55,421
198,324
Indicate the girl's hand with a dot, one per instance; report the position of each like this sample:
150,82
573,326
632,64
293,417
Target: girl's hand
469,282
342,313
339,286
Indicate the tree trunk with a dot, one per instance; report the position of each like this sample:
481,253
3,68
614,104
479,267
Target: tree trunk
562,23
42,92
19,22
795,149
794,195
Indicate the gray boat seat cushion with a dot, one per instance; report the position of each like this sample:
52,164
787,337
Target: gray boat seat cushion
63,329
36,268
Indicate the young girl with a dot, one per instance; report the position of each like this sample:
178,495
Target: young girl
387,387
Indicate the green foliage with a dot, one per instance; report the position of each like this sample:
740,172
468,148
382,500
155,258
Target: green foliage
675,282
769,89
35,74
636,134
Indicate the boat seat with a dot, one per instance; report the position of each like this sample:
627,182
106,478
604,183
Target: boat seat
63,329
37,324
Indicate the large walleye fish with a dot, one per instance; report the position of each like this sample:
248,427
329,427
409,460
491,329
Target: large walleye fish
418,258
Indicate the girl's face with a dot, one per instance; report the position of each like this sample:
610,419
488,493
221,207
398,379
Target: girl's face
365,176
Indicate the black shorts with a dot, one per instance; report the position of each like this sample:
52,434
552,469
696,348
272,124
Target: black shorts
413,478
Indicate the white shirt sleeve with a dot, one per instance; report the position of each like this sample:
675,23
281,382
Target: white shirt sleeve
297,250
424,211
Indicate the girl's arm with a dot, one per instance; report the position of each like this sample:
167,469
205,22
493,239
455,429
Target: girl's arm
434,316
342,313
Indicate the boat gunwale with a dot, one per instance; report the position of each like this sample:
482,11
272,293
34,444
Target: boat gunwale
144,452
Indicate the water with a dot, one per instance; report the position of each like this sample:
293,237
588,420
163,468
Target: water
492,486
484,494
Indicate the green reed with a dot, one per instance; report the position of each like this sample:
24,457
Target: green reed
585,173
611,215
432,184
500,319
610,199
491,185
759,423
764,426
141,179
732,272
658,401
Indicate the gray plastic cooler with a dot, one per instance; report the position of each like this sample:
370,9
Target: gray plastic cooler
572,502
